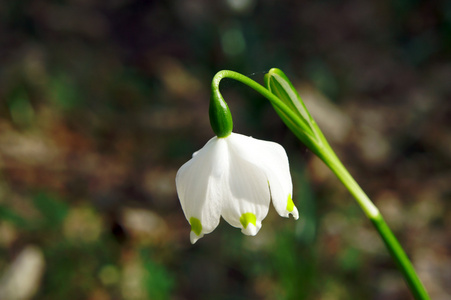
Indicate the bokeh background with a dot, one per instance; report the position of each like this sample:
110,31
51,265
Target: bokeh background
102,101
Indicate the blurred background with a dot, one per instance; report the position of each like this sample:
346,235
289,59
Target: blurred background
102,101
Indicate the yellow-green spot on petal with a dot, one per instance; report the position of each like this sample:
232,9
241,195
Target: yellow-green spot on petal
247,218
290,204
196,226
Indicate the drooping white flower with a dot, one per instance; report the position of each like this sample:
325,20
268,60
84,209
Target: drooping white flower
234,177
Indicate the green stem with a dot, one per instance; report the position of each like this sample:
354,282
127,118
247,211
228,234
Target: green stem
332,161
399,256
318,144
401,259
268,95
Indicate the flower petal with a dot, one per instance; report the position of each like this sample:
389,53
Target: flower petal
272,158
198,187
246,195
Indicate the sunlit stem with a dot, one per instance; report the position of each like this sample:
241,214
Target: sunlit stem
394,247
332,161
387,235
326,153
302,134
318,144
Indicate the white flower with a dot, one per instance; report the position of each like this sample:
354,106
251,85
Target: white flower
234,177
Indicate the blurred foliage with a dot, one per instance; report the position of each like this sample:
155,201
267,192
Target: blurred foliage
102,102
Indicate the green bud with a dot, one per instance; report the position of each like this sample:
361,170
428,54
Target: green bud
220,116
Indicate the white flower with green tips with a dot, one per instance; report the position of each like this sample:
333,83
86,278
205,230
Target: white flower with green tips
234,177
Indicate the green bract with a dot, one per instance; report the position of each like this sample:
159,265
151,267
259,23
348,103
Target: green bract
235,177
300,122
279,84
220,116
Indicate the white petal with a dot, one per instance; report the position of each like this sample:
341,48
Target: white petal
197,183
251,229
194,237
272,158
246,195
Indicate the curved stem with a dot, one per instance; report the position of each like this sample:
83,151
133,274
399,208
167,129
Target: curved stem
318,144
308,139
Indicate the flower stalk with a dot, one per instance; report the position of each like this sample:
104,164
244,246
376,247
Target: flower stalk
220,117
293,112
392,244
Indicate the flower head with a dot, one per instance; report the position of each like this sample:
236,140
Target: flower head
234,177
